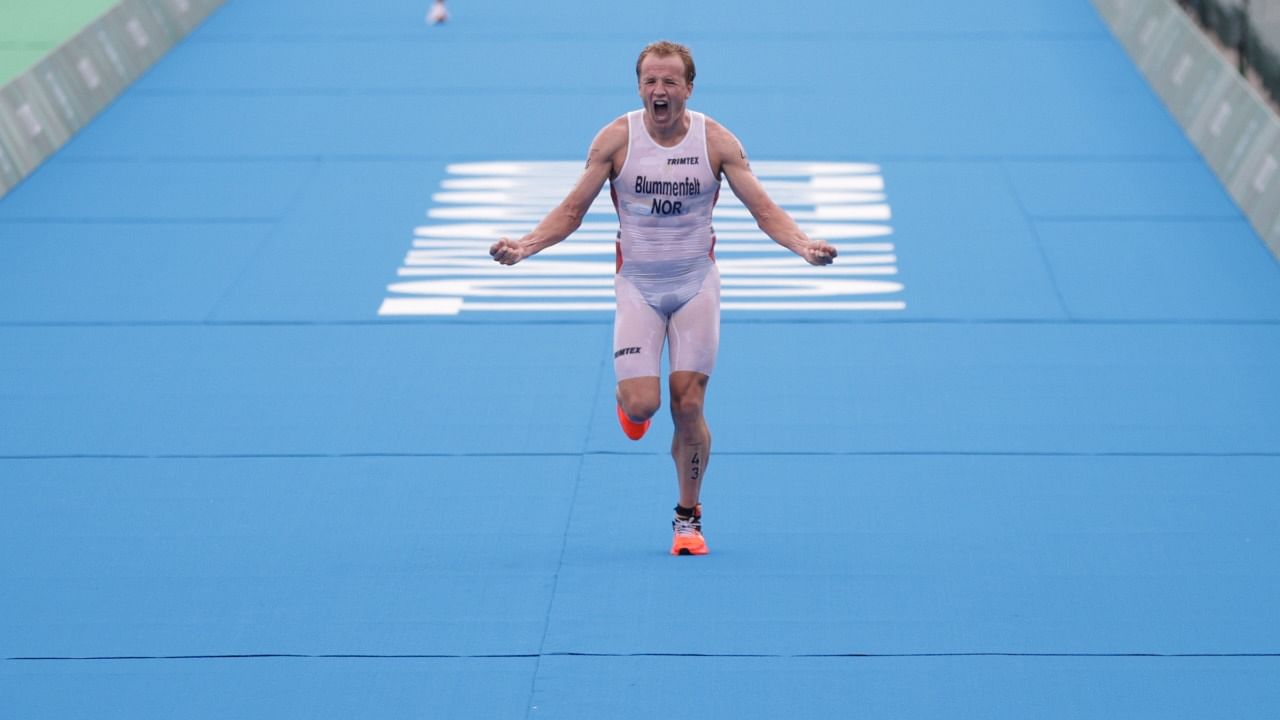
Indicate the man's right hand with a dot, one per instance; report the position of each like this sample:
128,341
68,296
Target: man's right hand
507,251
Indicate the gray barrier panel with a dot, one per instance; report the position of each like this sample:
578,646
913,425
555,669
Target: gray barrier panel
1233,127
42,108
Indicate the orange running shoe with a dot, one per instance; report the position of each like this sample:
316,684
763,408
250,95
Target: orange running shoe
688,538
631,428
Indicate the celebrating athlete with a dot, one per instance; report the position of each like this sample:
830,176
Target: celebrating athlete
664,164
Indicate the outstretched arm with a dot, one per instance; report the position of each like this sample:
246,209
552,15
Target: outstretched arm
567,217
773,220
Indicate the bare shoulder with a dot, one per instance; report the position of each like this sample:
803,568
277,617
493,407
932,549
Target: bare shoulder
609,147
717,132
723,147
612,137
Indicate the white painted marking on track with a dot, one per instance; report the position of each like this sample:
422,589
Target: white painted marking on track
447,270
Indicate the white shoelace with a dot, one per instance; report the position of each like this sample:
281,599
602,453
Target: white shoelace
685,526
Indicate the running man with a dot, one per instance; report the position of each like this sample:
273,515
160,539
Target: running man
664,164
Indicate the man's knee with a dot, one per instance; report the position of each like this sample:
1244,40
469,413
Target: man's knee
641,409
639,403
686,407
687,393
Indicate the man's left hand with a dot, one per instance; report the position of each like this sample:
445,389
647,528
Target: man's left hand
819,253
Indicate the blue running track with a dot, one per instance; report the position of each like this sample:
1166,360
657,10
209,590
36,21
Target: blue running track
278,441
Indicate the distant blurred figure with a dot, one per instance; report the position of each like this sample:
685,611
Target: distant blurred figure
437,14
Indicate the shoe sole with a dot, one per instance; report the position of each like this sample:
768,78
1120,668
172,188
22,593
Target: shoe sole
634,431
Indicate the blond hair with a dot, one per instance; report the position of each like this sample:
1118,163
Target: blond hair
666,47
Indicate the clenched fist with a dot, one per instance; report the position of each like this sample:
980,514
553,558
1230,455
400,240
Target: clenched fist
507,251
819,253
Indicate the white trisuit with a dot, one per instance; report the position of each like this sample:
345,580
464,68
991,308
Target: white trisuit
667,284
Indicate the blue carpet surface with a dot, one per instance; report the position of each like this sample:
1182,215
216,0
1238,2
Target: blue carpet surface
1013,455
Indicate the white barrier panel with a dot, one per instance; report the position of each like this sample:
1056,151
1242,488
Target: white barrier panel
1228,121
43,107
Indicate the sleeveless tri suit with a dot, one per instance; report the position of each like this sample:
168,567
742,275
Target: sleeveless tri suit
667,283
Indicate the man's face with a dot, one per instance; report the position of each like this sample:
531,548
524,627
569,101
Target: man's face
663,88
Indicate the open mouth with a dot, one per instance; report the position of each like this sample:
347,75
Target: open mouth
660,107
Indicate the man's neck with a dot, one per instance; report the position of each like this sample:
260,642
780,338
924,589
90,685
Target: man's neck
668,136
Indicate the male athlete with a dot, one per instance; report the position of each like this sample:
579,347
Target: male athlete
664,165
